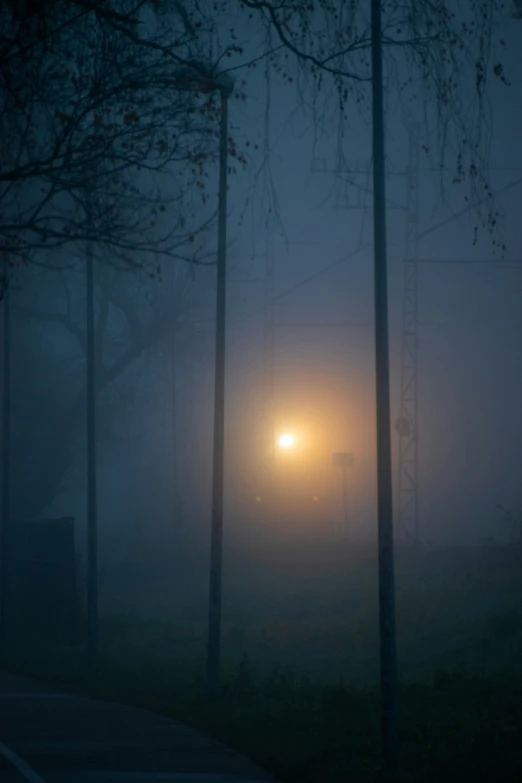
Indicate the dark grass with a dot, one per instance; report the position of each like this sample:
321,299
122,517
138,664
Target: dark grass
455,727
309,721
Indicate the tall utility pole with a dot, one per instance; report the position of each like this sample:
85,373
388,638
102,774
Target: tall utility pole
6,468
92,510
384,457
269,333
200,78
224,85
269,360
175,430
407,422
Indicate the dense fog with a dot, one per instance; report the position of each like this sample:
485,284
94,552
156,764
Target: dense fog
298,526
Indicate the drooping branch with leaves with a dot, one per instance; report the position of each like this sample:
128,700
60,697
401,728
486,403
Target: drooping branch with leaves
90,82
440,60
92,98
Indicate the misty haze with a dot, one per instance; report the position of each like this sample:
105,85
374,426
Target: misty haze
170,169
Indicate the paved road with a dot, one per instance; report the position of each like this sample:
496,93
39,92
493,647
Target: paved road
47,736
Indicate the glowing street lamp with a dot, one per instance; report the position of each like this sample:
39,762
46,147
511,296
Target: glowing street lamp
286,441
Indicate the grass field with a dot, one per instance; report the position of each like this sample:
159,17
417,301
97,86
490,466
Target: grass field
300,661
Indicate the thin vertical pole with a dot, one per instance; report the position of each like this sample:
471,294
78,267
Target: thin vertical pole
345,498
6,469
384,463
175,483
92,520
216,542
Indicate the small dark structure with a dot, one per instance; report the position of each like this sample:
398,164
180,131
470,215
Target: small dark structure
44,583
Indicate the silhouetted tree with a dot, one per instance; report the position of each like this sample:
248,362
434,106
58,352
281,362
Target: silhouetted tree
93,93
134,314
439,60
91,97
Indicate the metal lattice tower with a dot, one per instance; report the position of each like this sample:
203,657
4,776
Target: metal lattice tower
407,511
407,422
